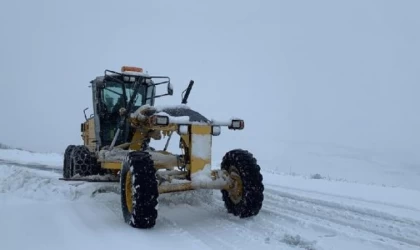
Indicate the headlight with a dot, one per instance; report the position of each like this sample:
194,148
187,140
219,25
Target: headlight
159,120
237,124
129,78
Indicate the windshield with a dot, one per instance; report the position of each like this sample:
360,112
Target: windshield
113,96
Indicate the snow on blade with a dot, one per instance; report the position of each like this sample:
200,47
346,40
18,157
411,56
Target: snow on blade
43,185
106,177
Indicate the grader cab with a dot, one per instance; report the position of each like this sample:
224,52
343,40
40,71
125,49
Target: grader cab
116,147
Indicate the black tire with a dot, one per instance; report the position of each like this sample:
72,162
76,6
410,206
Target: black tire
138,171
66,163
249,202
83,163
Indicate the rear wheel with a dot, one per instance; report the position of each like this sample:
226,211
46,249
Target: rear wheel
82,162
139,190
246,196
66,164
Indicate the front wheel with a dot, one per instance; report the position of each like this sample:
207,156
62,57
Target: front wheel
82,162
246,195
139,190
66,163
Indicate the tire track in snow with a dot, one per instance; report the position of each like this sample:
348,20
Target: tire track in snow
323,229
393,233
345,197
272,235
204,233
212,227
210,222
33,166
281,224
374,222
364,211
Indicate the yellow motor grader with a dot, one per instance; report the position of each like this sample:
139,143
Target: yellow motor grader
117,148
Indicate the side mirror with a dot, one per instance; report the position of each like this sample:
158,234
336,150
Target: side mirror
170,89
84,112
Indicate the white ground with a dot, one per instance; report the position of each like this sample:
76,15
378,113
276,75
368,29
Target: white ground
364,203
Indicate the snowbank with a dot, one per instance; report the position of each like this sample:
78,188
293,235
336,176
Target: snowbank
341,163
25,157
383,198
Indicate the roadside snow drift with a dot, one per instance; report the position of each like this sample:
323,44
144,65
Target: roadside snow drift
24,157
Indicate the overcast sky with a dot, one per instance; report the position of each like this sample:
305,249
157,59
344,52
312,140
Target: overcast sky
340,72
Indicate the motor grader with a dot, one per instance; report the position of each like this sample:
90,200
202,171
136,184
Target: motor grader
116,147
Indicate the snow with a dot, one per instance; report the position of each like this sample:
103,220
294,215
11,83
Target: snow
336,162
217,130
173,106
203,178
183,129
25,157
106,177
130,73
201,146
135,73
300,211
159,110
377,194
138,114
163,159
176,120
116,154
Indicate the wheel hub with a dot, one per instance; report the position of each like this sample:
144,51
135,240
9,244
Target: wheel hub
128,192
236,190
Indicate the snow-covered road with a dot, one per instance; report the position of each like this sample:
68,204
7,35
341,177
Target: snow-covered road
38,211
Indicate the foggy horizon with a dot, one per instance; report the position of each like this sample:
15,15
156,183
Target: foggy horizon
339,73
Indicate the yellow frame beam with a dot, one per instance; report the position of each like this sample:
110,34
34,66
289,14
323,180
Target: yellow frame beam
115,165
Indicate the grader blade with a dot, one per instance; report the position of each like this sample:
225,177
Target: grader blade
86,180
